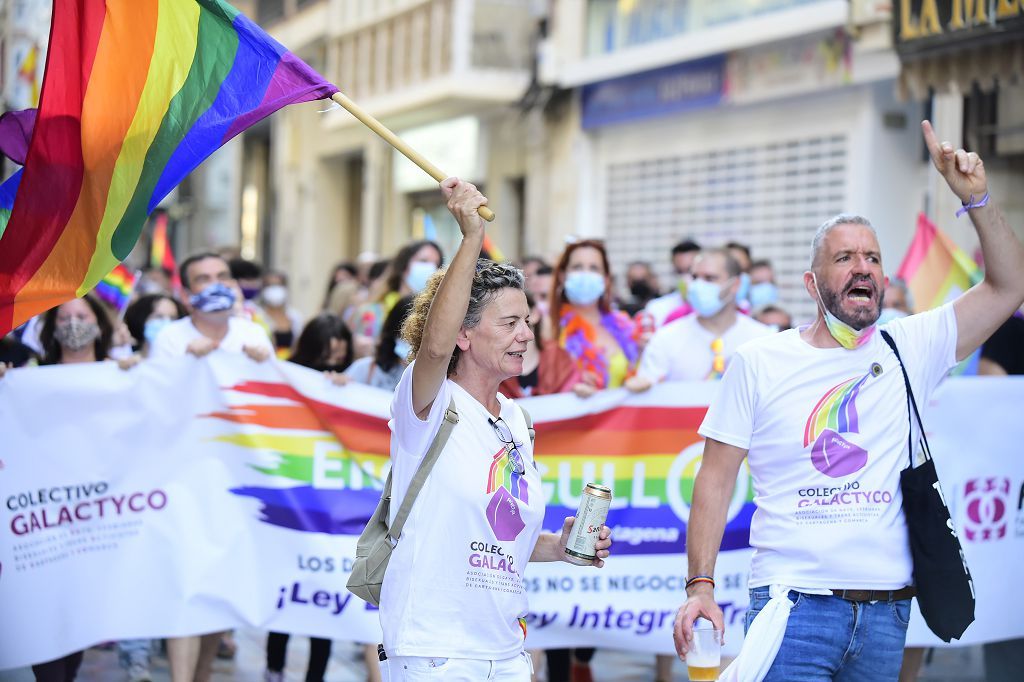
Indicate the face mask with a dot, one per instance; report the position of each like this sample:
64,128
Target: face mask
419,273
402,349
763,294
890,314
215,298
76,334
705,297
154,327
275,295
848,337
249,293
744,289
641,290
584,288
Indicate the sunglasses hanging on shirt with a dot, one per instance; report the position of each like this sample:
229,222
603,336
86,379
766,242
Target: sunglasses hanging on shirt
504,433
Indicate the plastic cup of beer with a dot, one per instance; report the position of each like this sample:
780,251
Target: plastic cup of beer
705,655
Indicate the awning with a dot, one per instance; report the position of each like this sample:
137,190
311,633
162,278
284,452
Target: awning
957,70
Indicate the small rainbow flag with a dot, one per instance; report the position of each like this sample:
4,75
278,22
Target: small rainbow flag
935,269
117,287
491,251
135,95
160,253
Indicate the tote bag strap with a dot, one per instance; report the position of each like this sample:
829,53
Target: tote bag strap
451,418
911,405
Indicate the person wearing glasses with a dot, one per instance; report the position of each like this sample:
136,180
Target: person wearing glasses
453,603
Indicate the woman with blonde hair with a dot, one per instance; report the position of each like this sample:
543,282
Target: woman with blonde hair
453,603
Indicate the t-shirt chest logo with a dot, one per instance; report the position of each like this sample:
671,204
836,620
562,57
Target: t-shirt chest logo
507,486
836,413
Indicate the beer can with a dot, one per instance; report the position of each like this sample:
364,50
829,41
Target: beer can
591,515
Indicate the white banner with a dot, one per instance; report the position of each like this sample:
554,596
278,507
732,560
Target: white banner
194,495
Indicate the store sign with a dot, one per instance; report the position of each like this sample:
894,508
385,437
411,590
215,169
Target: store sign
932,25
680,87
804,64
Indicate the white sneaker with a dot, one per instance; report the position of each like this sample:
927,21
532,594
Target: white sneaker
272,676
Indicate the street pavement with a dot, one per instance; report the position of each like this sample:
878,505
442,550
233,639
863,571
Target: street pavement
101,665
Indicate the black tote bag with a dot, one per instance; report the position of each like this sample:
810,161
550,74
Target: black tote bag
945,590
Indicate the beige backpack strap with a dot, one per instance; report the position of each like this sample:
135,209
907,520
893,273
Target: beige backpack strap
451,418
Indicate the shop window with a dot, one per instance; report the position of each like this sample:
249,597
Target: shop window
994,121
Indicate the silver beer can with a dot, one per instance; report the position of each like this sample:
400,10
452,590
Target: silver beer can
591,515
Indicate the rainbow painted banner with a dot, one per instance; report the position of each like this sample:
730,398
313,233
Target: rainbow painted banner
239,489
136,94
935,269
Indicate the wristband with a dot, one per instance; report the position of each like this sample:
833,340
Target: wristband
970,203
700,579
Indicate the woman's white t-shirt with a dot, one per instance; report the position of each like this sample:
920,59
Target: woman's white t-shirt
454,585
826,433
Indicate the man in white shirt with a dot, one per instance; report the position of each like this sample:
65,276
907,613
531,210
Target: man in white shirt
698,347
821,415
210,325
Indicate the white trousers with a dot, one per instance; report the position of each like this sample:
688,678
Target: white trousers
416,668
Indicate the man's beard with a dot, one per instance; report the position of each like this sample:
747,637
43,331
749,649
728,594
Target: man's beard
859,319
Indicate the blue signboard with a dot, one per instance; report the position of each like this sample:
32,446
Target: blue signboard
680,87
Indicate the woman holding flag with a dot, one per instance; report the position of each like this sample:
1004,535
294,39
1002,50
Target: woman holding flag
453,603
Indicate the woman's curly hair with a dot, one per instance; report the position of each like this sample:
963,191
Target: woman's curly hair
490,278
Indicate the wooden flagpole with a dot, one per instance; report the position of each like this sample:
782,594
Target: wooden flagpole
397,142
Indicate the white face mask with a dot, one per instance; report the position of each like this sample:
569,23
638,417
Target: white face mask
419,273
276,295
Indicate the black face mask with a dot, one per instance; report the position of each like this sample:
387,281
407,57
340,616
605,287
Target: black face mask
331,368
641,290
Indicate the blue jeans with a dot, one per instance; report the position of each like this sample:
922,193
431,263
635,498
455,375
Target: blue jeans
831,639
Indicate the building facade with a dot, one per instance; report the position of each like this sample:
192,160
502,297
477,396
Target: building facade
445,75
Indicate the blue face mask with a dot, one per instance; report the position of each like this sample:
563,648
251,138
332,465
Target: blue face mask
584,288
215,298
154,327
402,349
705,297
744,289
763,294
419,273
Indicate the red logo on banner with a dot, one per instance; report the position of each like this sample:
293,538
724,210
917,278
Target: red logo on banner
987,502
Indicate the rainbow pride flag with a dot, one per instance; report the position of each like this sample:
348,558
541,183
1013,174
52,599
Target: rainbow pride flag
117,287
935,269
160,253
135,95
491,251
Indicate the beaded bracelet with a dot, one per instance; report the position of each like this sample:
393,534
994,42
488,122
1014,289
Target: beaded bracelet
700,579
970,203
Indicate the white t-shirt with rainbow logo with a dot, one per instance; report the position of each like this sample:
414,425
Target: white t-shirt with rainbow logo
454,585
826,434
